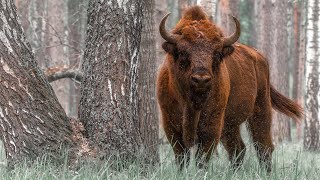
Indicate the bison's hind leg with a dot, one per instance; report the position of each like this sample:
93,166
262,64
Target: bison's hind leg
259,126
233,143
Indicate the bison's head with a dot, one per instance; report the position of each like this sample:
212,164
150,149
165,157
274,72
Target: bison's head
196,50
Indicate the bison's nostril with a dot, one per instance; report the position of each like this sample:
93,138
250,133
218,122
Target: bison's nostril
200,79
206,79
195,79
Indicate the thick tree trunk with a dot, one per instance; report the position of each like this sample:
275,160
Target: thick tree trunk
32,122
312,122
109,98
147,109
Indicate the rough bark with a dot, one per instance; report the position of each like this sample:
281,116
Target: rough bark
147,109
32,122
311,139
109,99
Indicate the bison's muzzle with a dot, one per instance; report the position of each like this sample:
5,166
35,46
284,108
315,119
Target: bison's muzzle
201,81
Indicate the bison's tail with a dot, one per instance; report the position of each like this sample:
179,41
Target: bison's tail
285,105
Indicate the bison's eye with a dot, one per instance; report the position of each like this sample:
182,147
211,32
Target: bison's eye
217,56
183,60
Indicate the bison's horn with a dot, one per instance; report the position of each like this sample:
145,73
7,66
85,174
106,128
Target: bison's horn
228,41
163,32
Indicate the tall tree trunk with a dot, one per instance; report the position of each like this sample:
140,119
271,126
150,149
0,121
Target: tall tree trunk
147,109
311,139
299,19
32,122
109,98
279,69
272,41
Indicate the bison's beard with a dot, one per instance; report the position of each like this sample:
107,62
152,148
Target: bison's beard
199,99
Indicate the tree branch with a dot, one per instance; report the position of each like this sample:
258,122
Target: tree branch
57,73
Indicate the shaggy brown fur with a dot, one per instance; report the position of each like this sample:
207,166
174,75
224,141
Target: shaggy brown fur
206,91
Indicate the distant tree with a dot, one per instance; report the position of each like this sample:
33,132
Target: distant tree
279,68
76,30
311,139
248,22
182,6
273,42
210,6
109,105
224,9
55,30
174,8
32,122
299,55
161,8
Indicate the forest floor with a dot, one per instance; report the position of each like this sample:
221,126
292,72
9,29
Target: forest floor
289,162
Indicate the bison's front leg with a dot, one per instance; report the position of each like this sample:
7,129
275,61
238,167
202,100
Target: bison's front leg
182,154
209,132
190,126
172,125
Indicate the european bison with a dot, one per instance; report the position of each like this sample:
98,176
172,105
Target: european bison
209,85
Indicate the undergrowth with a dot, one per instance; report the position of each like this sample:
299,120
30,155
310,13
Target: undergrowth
289,162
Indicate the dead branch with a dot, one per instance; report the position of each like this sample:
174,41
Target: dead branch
57,73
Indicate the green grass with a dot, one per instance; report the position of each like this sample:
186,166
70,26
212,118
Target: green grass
289,162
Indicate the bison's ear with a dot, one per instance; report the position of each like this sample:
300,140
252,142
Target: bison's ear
226,51
169,47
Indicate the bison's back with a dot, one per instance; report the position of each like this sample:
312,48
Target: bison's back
248,72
